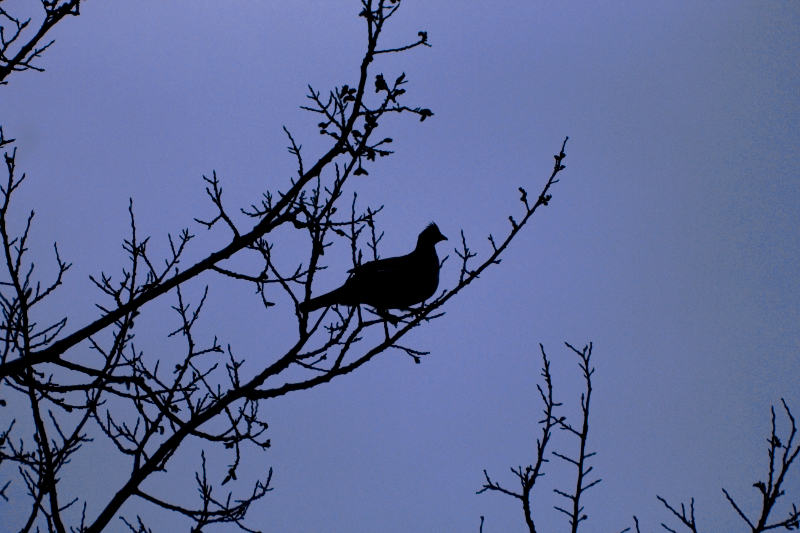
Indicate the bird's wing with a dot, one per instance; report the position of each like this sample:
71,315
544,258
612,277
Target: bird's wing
383,265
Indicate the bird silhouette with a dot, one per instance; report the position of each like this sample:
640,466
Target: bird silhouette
392,283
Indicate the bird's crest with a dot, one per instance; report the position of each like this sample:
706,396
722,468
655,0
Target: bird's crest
431,234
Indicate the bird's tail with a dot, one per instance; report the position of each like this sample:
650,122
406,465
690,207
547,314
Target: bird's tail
326,300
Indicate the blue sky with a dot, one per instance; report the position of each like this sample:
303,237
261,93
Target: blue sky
671,242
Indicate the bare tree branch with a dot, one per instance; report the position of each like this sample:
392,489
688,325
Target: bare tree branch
531,473
781,456
576,514
17,51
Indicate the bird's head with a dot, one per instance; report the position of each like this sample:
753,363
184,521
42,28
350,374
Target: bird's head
430,236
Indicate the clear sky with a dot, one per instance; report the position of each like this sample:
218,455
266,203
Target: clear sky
671,242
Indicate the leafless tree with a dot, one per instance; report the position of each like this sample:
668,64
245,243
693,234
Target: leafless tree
528,476
149,407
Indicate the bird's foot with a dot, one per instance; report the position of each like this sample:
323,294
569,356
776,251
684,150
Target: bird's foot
417,311
384,314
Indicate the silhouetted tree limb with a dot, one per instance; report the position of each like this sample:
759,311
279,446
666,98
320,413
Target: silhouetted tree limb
576,514
687,520
781,456
531,473
18,48
636,525
528,477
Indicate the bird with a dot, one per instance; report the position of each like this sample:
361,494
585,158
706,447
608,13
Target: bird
392,283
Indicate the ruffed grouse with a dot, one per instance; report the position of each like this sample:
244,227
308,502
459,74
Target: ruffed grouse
393,283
